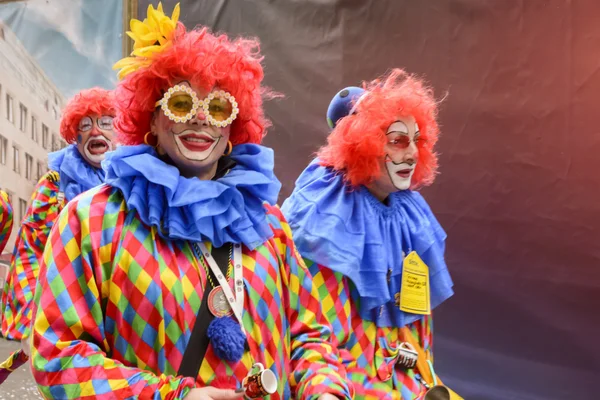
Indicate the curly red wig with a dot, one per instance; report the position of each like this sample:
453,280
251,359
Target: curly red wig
87,102
356,145
205,60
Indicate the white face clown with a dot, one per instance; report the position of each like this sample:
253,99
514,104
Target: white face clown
400,159
193,142
94,138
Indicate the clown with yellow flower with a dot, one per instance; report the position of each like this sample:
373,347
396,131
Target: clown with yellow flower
179,277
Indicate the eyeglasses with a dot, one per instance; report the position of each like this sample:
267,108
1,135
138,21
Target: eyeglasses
403,141
180,104
105,123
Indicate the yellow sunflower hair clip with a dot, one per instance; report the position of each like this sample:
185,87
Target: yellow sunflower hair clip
150,36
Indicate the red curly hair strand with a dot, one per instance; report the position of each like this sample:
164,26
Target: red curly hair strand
356,144
205,60
87,102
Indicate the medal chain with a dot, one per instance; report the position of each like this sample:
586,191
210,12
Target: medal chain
208,273
223,289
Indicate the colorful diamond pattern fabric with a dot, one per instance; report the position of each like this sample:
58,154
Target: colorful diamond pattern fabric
117,304
368,352
17,296
6,219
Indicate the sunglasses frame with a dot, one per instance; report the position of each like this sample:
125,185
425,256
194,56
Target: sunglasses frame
416,140
197,104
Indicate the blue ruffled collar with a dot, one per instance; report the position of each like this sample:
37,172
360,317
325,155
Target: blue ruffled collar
351,232
76,174
226,210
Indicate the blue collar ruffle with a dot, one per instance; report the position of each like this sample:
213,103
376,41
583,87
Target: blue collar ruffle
351,232
76,174
226,210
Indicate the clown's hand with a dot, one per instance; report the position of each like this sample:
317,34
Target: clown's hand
26,346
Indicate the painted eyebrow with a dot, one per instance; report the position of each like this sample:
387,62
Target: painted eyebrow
390,130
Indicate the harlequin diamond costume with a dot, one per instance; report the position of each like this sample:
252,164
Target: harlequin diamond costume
86,124
6,219
183,242
359,223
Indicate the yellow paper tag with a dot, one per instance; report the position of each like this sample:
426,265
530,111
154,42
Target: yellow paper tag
414,292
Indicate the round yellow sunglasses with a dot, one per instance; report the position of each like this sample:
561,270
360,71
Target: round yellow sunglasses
180,104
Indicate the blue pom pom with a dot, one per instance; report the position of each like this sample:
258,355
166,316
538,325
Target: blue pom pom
227,339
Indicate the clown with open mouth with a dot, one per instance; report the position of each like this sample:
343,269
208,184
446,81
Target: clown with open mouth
94,138
87,125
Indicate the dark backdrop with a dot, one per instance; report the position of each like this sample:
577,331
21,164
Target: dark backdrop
518,193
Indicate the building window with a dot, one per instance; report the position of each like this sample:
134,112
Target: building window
16,163
3,150
28,166
55,144
22,209
23,120
40,170
10,196
9,108
45,136
46,105
34,134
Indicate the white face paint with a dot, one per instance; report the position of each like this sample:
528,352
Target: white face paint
94,138
196,145
399,160
400,174
96,147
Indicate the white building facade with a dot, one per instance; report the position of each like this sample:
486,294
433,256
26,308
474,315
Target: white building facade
29,124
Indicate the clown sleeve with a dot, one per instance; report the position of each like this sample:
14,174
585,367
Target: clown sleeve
315,365
70,348
335,301
22,276
6,219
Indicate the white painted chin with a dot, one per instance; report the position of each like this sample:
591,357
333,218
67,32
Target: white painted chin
195,155
96,157
399,182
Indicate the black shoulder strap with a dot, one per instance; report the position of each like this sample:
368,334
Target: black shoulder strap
199,341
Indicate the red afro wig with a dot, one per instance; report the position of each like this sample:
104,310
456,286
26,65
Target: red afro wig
87,102
356,144
205,60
